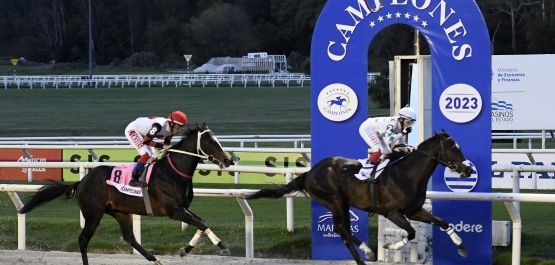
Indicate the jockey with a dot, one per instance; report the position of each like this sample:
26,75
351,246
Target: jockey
141,133
381,134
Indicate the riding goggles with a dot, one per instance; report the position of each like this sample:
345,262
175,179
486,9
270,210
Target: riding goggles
408,122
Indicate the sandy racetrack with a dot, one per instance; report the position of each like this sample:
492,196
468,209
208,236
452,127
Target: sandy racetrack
12,257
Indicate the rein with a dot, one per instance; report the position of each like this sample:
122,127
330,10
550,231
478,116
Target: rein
202,155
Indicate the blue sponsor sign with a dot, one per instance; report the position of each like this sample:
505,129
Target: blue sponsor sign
461,94
330,245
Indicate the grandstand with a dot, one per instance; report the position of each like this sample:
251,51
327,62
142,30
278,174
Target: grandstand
262,63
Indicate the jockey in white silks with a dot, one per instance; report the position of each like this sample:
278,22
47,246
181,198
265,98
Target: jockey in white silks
383,133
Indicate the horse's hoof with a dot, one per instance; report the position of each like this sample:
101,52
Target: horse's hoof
184,251
387,245
159,262
370,256
462,251
225,252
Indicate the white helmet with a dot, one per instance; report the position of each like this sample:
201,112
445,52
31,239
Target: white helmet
407,113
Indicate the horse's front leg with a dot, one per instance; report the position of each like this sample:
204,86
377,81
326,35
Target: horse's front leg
424,216
189,217
399,220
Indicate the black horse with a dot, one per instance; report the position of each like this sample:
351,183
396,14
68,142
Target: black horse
170,189
400,191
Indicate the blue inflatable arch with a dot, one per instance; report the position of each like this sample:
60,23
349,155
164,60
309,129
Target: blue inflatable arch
461,70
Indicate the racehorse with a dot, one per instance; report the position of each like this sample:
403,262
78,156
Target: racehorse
399,192
170,188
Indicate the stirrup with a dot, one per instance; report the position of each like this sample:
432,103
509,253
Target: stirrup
136,183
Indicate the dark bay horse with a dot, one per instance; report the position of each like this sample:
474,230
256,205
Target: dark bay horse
400,191
170,189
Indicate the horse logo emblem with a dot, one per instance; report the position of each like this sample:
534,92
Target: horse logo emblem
328,215
337,102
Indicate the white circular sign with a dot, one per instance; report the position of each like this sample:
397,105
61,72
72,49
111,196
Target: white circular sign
460,103
455,183
337,102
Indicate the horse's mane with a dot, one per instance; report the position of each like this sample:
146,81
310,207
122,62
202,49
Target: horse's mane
197,128
428,141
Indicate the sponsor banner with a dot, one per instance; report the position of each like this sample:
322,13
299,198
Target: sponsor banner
504,180
521,88
326,238
104,155
273,160
38,155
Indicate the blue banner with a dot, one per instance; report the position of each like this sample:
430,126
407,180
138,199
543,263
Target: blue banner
461,94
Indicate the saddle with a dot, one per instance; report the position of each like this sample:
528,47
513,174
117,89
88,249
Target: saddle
121,175
368,172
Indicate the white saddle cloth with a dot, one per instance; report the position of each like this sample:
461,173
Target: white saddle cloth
366,170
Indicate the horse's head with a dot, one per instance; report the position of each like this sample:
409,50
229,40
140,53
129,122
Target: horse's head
452,156
210,148
449,154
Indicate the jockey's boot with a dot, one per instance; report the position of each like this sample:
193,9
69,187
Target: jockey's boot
373,173
136,175
366,170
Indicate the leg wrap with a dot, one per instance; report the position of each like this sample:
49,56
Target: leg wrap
400,244
456,239
195,238
212,236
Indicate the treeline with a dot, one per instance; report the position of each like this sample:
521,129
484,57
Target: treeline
164,30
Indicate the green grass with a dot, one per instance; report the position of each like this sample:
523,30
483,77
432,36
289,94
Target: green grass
55,226
228,111
107,111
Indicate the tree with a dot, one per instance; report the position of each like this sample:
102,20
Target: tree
514,9
48,31
221,30
378,90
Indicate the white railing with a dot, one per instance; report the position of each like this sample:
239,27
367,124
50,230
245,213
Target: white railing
239,194
511,199
296,140
525,136
177,80
242,139
163,80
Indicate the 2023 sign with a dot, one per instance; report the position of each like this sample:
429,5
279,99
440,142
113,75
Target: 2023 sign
461,103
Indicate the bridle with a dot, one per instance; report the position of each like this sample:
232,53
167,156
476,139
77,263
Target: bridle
438,158
200,153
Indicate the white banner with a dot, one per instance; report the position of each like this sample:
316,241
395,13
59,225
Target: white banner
504,180
522,91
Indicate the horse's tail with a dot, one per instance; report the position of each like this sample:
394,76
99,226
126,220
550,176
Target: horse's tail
48,193
296,185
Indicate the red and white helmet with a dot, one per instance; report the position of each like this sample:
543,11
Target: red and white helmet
178,117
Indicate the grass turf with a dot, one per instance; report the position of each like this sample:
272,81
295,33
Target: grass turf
228,111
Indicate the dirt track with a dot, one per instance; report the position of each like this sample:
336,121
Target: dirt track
11,257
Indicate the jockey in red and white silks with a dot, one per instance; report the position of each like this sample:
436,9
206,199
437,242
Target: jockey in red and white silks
142,132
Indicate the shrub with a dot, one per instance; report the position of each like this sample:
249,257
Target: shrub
143,60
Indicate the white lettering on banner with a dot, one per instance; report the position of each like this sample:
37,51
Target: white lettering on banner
466,228
25,159
329,228
454,32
